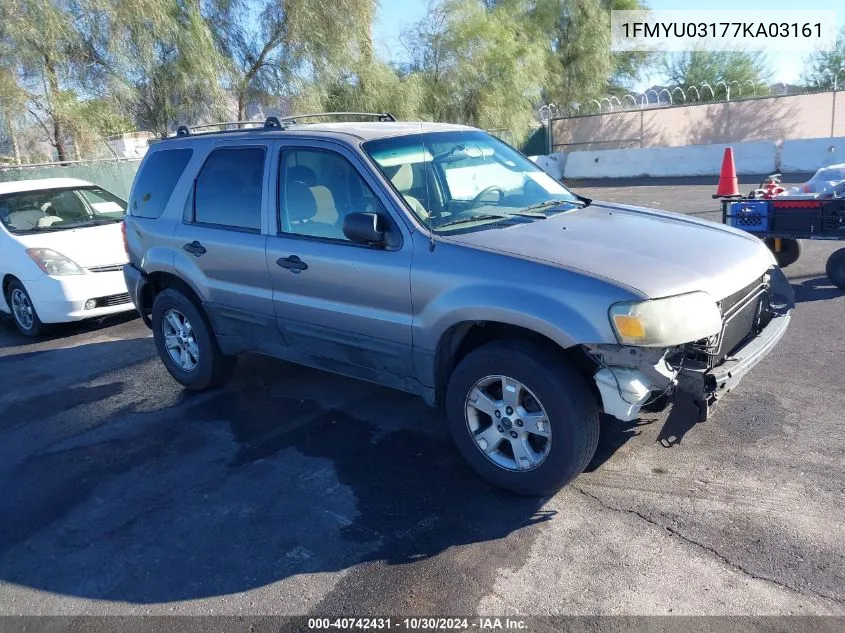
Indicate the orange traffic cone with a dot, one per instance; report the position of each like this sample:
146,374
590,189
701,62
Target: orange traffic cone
728,185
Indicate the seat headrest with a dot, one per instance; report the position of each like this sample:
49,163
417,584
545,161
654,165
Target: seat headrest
403,179
300,203
303,174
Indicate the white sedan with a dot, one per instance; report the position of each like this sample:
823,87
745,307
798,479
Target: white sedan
61,252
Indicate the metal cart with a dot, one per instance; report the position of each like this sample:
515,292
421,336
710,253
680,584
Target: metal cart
782,221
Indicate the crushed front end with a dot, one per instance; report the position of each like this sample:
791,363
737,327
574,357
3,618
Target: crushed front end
753,320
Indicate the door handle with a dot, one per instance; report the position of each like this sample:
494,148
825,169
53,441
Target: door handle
194,248
292,263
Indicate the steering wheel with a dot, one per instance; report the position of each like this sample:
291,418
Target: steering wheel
487,190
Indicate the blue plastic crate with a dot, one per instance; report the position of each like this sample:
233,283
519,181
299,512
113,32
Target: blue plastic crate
749,215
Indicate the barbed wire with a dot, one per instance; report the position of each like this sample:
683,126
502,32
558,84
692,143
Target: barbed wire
677,95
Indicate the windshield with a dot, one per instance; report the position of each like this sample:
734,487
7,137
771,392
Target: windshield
59,209
468,179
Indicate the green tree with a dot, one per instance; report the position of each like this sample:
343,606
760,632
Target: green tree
41,43
579,63
736,70
270,44
478,65
826,69
160,63
12,100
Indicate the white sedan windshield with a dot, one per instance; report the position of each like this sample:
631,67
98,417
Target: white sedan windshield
59,209
467,179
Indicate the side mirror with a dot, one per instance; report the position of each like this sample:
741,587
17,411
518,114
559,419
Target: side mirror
364,228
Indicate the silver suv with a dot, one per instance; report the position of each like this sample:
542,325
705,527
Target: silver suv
438,260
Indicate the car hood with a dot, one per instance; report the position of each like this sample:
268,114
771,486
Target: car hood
655,252
87,246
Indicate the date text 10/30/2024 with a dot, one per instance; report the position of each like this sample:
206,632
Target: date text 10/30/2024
417,624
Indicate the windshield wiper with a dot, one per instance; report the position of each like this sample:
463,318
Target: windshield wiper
475,218
548,204
527,213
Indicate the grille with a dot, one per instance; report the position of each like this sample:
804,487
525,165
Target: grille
739,315
106,269
113,300
730,301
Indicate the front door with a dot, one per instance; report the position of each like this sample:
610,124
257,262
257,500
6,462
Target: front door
334,299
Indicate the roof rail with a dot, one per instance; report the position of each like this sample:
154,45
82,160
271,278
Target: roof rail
270,123
381,116
273,123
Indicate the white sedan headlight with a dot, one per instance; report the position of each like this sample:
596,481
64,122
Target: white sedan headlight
666,322
54,263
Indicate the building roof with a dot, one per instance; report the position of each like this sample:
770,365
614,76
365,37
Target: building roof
18,186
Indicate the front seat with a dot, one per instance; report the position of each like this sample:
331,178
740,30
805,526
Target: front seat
300,209
403,180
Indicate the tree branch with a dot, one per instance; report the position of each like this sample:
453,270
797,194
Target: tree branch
43,125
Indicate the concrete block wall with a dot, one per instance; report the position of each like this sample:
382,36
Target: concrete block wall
753,157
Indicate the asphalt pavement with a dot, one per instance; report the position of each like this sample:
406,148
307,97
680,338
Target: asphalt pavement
293,491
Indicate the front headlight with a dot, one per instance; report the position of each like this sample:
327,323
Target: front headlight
666,322
54,263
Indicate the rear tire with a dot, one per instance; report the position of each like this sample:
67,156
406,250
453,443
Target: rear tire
186,343
790,251
835,268
23,310
565,403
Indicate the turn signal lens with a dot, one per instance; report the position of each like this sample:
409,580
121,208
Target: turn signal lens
628,326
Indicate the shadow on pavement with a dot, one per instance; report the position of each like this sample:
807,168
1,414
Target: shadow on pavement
613,435
144,493
11,337
816,289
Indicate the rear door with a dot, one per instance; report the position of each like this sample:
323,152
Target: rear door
220,244
335,299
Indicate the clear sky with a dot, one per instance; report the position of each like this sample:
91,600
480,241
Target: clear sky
397,15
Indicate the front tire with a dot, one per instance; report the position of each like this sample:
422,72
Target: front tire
23,310
186,344
835,268
522,416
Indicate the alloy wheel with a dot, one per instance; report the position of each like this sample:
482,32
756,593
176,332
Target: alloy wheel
22,308
179,340
508,423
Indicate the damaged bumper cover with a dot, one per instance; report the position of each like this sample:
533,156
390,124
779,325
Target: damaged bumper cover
629,378
704,384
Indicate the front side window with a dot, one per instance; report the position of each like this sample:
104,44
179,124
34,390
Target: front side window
229,187
59,209
317,190
467,179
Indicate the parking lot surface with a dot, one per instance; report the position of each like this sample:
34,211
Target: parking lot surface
292,491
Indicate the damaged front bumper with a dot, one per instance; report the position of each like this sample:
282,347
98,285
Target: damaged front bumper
629,378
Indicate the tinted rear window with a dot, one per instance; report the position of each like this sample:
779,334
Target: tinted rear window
155,182
228,189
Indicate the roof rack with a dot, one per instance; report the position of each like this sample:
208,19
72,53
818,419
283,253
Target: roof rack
273,123
384,117
270,123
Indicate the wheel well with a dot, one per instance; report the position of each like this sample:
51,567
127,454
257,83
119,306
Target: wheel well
8,279
463,338
156,282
